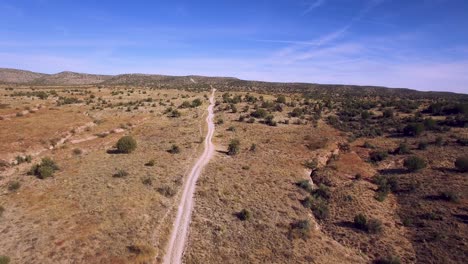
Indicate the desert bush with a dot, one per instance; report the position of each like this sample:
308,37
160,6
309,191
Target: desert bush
413,130
259,113
13,186
320,209
147,181
300,229
281,99
371,226
360,221
450,196
402,149
304,184
4,260
388,113
174,149
244,215
322,191
311,164
150,163
233,148
269,120
77,151
414,163
377,156
2,209
388,260
196,102
126,144
185,104
23,159
422,145
166,191
231,128
462,164
368,145
439,141
45,169
253,147
174,113
120,174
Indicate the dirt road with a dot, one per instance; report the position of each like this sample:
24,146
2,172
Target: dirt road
176,246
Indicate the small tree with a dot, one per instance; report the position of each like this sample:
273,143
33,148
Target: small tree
233,148
462,164
126,144
414,163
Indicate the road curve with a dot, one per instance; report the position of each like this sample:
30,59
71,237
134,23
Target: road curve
176,246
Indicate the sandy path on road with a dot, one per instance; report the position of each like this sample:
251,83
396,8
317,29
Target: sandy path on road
176,246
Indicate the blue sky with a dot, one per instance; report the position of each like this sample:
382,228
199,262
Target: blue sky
420,44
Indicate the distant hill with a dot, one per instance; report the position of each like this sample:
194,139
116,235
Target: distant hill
13,76
18,76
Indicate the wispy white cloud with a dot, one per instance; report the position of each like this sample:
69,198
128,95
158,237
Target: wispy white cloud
313,5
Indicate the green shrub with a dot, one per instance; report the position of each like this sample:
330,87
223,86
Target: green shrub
311,164
196,102
462,164
13,186
368,145
402,149
22,159
126,144
259,113
414,163
174,149
120,174
413,130
377,156
449,196
244,215
320,208
372,225
45,169
233,148
253,147
360,221
304,184
166,191
4,260
150,163
77,151
322,191
388,260
300,229
439,141
422,145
